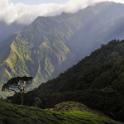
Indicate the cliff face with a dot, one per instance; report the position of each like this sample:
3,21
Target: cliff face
40,60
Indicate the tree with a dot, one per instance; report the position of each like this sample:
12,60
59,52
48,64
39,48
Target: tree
18,85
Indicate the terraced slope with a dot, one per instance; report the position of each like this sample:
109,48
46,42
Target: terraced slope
13,114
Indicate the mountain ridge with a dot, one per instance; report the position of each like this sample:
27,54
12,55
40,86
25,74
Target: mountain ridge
50,45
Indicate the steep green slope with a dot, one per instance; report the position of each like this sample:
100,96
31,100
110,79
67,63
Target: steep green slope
97,81
13,114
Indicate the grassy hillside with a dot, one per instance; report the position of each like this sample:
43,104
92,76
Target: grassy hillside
97,81
13,114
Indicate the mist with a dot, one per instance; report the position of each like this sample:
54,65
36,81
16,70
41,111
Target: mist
25,13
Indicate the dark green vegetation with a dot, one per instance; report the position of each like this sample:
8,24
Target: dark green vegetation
50,45
70,106
14,114
97,81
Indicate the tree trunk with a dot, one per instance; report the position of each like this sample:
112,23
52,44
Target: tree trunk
22,98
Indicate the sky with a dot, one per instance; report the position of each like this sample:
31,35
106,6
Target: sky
26,11
39,1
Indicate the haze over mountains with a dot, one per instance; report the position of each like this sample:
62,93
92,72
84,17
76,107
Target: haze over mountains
16,10
50,45
8,30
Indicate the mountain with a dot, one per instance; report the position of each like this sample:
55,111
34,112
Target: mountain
32,53
96,81
88,28
50,45
13,114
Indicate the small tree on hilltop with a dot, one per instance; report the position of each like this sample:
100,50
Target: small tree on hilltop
18,85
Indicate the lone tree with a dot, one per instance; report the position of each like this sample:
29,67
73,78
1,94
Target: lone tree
18,85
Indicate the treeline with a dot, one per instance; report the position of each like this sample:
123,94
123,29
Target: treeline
97,81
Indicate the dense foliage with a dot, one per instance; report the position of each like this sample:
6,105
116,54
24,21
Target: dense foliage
97,81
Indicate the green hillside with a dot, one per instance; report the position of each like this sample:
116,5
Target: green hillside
97,81
13,114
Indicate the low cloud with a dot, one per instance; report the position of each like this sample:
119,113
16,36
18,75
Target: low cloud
24,13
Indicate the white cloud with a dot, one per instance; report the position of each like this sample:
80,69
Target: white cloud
24,13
